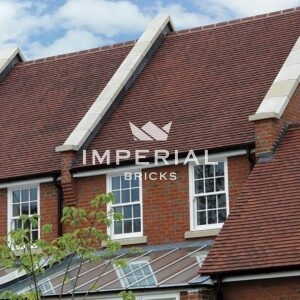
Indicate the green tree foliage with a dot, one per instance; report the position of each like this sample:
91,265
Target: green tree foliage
80,241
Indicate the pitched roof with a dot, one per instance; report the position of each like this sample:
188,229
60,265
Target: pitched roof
207,81
263,229
43,100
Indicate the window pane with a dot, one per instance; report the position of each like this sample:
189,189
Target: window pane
209,171
16,210
135,182
201,203
219,169
25,195
137,225
220,185
222,200
33,208
115,183
209,186
136,211
117,197
127,212
34,235
198,172
127,226
16,196
211,202
222,215
125,183
199,187
125,196
118,227
33,194
25,209
211,217
135,195
201,218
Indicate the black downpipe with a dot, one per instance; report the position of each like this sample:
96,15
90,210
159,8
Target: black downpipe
59,205
219,292
250,159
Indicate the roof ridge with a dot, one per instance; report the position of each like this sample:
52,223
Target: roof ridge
76,53
235,21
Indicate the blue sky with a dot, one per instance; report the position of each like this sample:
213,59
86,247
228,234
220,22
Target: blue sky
44,28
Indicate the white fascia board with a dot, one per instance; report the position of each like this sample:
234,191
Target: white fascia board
133,168
11,276
282,88
270,275
25,182
7,55
113,88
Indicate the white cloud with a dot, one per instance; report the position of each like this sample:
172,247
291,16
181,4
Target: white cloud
108,18
72,40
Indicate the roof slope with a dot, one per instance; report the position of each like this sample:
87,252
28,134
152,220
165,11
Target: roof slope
263,229
207,81
41,103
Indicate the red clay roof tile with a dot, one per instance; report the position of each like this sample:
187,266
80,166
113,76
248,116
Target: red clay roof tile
263,230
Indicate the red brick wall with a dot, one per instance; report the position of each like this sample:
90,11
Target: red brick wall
48,207
238,172
3,212
268,289
166,206
268,130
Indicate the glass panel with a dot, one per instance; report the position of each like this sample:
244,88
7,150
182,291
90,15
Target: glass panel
125,184
125,196
222,215
199,187
219,169
135,182
136,211
118,227
209,186
135,195
201,218
34,235
127,212
127,226
222,200
25,195
220,185
198,172
117,197
33,208
25,208
16,196
211,217
209,171
115,183
211,201
17,224
201,203
16,210
136,225
33,194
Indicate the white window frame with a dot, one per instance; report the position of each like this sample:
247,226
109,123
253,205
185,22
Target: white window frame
193,216
110,229
10,201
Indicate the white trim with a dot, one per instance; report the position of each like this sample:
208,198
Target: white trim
7,55
261,276
11,276
25,182
134,168
193,226
116,83
110,230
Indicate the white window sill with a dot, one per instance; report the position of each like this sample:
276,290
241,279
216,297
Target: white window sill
201,233
131,241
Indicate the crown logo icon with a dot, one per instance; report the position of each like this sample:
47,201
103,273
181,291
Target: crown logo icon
150,132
